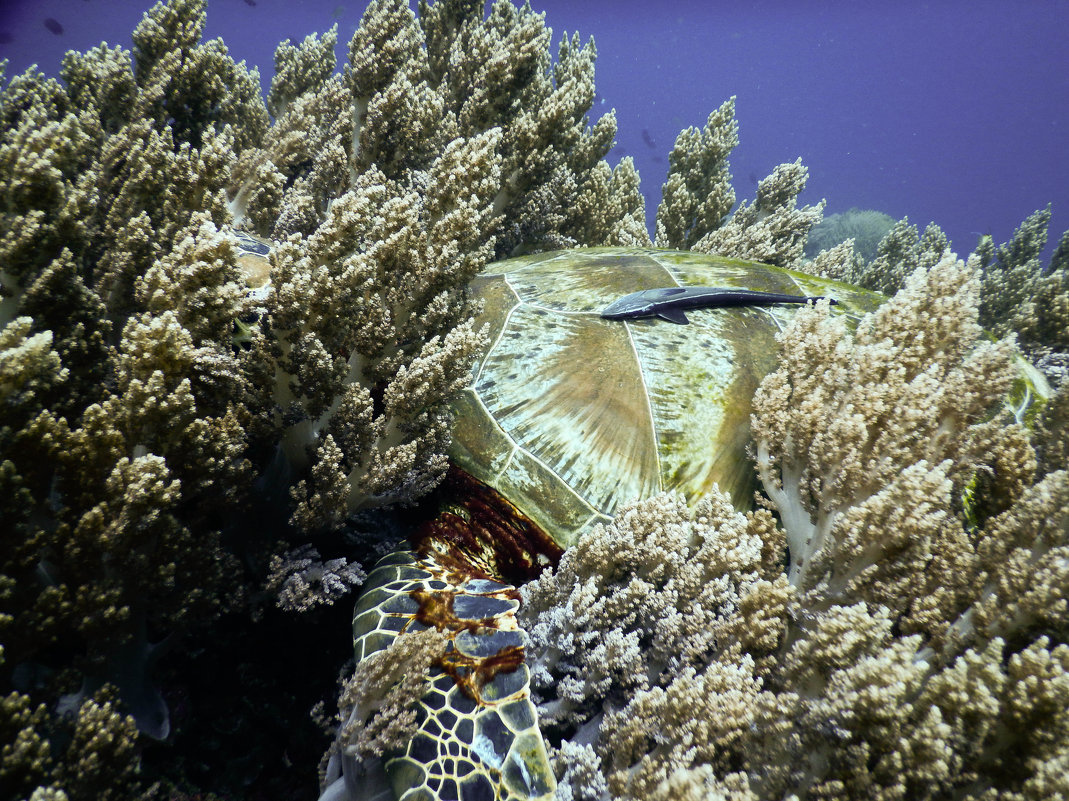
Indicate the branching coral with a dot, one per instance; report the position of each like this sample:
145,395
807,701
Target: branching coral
645,599
100,762
892,422
371,303
697,199
897,630
610,209
898,254
414,85
697,196
153,386
1020,294
1053,432
302,580
772,229
122,440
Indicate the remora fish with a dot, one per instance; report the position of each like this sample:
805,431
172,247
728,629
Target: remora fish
669,303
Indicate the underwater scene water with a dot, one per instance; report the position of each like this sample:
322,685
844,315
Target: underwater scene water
417,400
949,112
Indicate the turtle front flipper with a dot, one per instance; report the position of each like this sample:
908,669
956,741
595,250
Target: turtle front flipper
477,736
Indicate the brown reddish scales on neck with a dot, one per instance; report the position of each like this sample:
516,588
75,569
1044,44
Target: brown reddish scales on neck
477,533
470,673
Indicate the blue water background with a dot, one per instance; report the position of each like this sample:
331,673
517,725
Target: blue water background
955,112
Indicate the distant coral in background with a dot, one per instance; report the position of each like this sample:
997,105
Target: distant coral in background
867,640
901,251
1019,294
866,227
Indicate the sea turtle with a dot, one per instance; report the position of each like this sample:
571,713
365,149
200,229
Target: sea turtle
568,415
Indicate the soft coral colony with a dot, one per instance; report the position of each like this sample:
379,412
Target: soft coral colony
892,623
855,638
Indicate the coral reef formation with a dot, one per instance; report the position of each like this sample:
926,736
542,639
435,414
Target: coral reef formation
893,624
184,442
1019,294
865,226
155,392
124,434
149,396
696,206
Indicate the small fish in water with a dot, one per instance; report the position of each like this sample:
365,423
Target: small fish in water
53,25
648,139
670,303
